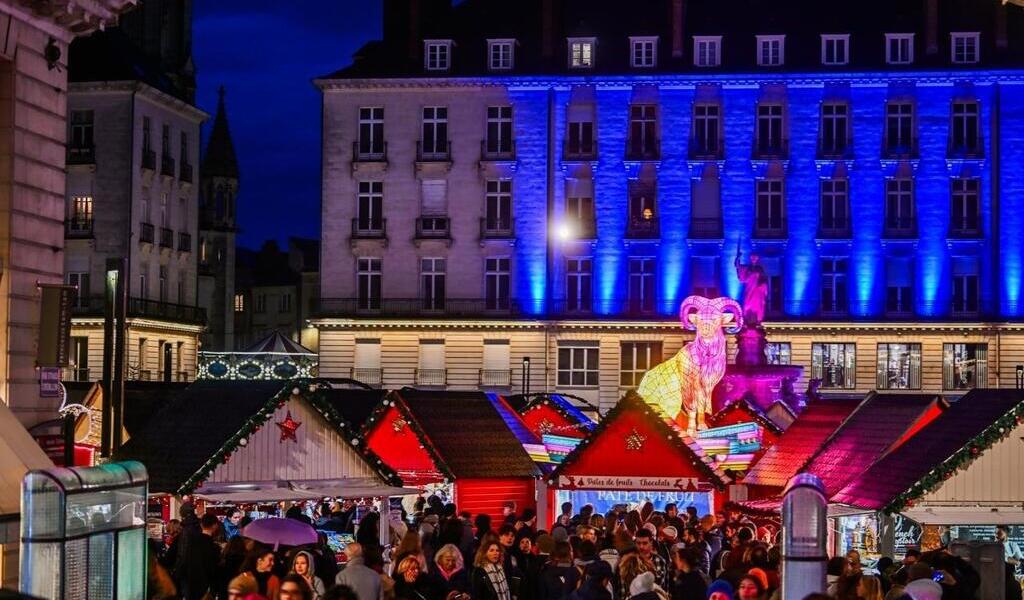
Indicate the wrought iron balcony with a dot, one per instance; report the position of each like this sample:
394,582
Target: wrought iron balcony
967,149
899,229
369,229
433,227
641,228
771,150
493,378
184,241
143,308
149,159
965,228
185,172
146,233
432,377
705,229
78,227
371,377
81,155
579,150
166,238
440,152
370,153
900,149
167,165
837,229
642,150
502,150
497,229
770,231
500,307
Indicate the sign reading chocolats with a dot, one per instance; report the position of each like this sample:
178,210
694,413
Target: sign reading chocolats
615,482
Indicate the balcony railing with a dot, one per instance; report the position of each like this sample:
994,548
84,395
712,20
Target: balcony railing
704,151
412,307
899,229
900,149
441,152
146,233
167,165
140,307
78,227
433,228
775,150
967,149
184,241
641,228
374,153
498,152
497,229
185,172
371,377
965,228
432,377
838,229
705,229
149,159
166,238
582,229
369,229
580,150
637,150
81,155
771,231
495,378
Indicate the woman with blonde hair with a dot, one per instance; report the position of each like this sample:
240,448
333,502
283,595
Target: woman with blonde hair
412,582
489,581
450,578
411,545
869,588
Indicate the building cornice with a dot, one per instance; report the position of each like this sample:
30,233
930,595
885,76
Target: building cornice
137,323
145,91
67,19
683,81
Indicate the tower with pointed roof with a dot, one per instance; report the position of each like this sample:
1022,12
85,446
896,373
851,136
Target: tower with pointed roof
218,192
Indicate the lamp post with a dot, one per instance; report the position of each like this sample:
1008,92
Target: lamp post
526,376
804,521
1020,377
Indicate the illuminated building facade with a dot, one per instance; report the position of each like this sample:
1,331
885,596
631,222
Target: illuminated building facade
549,180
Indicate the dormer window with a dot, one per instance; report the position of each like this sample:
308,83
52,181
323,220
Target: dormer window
964,47
437,55
899,48
835,49
643,52
707,50
581,53
501,54
771,50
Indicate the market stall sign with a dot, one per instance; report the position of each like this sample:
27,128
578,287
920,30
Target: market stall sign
613,482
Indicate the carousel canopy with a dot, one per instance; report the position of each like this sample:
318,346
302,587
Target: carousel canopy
277,343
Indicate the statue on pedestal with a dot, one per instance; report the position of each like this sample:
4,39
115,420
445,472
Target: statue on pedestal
751,340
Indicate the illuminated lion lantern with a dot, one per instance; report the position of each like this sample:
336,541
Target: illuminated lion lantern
681,386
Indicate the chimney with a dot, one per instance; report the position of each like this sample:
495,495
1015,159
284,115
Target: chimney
678,39
1002,42
931,26
548,28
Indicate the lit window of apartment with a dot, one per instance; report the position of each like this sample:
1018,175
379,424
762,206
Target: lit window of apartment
778,353
771,50
899,366
501,54
707,50
835,49
239,302
433,278
643,52
368,283
641,285
835,364
964,47
437,55
579,278
899,287
899,48
834,296
964,366
497,283
80,220
635,359
581,53
578,364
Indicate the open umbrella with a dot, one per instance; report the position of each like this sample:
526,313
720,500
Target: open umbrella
276,531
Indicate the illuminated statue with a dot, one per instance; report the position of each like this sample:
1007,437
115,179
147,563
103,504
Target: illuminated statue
682,385
755,288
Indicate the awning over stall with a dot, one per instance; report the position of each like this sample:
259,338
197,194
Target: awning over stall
274,491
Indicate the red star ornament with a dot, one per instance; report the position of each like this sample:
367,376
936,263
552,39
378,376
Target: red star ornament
288,427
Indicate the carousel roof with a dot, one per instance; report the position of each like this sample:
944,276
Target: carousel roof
277,343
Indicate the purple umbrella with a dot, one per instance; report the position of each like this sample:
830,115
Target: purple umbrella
280,532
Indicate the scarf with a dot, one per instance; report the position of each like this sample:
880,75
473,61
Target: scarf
496,575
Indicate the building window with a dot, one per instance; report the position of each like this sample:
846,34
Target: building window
899,367
835,208
771,50
80,358
636,358
774,304
437,54
965,207
644,53
163,283
899,299
965,286
284,303
769,210
81,215
899,206
181,290
499,130
581,53
641,285
704,276
368,283
899,48
81,134
778,353
498,209
581,138
183,148
642,206
833,285
81,281
144,281
964,47
371,131
239,302
643,127
578,364
432,277
707,50
165,140
964,366
147,134
579,284
965,136
435,131
501,54
769,130
835,365
706,130
497,283
579,216
899,128
370,206
432,370
835,128
835,49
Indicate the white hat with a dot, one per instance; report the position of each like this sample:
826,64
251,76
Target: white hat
644,582
670,532
924,589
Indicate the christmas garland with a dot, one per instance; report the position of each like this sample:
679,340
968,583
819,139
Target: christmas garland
310,390
393,398
960,460
545,400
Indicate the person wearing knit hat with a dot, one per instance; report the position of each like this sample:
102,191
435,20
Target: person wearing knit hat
720,589
670,533
560,534
751,587
923,589
242,586
760,575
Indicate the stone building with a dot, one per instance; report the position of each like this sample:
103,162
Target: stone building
539,184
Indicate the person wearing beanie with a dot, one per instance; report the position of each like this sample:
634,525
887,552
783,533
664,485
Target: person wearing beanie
750,587
923,589
760,576
720,589
242,586
643,587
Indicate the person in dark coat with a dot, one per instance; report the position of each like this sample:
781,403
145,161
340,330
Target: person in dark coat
558,578
450,577
412,583
596,580
488,580
687,579
199,560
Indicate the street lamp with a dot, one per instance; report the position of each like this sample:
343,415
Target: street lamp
804,521
526,376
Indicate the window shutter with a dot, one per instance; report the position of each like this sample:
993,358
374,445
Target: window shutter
431,354
496,355
367,354
435,192
898,273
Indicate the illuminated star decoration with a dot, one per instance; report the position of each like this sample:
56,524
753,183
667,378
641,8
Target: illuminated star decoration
635,441
398,425
288,427
545,427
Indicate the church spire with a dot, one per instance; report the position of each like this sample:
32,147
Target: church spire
219,160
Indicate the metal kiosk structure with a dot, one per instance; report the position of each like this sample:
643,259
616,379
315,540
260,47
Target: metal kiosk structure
83,532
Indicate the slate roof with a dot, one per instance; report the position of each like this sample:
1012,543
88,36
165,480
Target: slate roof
557,402
111,56
356,405
875,487
145,399
467,432
219,159
799,443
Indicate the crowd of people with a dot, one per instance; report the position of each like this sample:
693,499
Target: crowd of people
438,553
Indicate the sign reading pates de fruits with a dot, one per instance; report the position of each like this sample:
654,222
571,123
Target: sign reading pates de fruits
613,482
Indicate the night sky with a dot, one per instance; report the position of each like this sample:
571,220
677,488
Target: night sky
266,53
